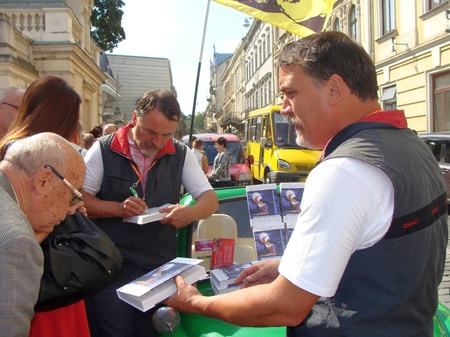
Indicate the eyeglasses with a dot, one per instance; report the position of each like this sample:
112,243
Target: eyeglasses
78,196
11,105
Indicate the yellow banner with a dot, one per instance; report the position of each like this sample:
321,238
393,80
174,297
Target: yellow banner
300,17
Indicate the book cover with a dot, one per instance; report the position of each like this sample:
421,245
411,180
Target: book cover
157,285
225,276
222,252
263,203
291,196
150,215
269,230
203,251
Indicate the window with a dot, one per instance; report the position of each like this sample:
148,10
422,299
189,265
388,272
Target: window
264,50
353,29
431,4
337,25
441,102
389,98
387,16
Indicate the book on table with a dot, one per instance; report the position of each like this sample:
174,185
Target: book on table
222,252
225,276
223,289
154,287
150,215
273,216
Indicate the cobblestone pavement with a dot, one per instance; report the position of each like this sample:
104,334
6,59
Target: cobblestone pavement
444,287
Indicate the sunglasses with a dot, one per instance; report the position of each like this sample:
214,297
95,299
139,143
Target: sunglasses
78,196
11,105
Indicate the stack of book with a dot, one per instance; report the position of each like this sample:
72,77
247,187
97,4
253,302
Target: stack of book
222,279
154,287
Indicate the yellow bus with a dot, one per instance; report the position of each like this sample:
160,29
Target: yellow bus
271,150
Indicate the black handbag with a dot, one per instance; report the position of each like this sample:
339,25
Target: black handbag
79,259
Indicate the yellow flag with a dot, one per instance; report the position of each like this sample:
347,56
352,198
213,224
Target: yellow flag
300,17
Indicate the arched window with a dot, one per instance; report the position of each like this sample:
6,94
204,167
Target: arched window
353,23
337,25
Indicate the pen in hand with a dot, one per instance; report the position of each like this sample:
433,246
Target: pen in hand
133,192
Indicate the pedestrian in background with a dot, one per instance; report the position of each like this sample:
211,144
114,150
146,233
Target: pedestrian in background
109,128
88,140
368,251
220,175
96,131
200,154
10,101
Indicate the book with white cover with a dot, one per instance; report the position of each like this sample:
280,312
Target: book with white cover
157,285
225,276
150,215
223,290
290,197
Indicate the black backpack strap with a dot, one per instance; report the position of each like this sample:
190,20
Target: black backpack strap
418,220
349,131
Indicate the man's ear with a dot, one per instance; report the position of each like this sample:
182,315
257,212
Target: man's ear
42,181
134,118
337,89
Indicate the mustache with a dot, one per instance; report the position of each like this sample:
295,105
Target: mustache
293,120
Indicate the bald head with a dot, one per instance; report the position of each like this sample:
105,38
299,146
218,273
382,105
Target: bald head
32,153
109,128
36,167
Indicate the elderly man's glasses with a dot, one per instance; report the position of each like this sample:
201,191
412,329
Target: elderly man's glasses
78,196
11,105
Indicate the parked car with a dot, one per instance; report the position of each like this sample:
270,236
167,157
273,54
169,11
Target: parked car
439,144
233,202
239,170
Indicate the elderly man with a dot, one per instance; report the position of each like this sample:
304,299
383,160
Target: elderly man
40,178
10,100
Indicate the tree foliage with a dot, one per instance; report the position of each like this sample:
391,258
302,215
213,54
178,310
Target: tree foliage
199,122
106,23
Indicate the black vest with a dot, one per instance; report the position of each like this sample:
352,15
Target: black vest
390,289
149,245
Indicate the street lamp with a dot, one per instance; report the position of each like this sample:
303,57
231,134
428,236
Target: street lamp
246,23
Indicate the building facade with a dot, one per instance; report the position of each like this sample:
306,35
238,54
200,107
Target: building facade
137,75
408,40
52,37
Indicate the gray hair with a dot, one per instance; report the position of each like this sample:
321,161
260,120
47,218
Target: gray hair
323,54
31,153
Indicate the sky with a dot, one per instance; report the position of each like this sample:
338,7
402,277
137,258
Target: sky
174,29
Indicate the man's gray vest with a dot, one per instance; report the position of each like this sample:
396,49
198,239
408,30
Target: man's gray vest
148,245
390,289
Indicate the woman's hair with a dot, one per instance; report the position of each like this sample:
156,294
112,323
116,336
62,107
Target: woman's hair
49,104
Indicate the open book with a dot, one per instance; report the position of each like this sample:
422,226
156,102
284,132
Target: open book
150,215
157,285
